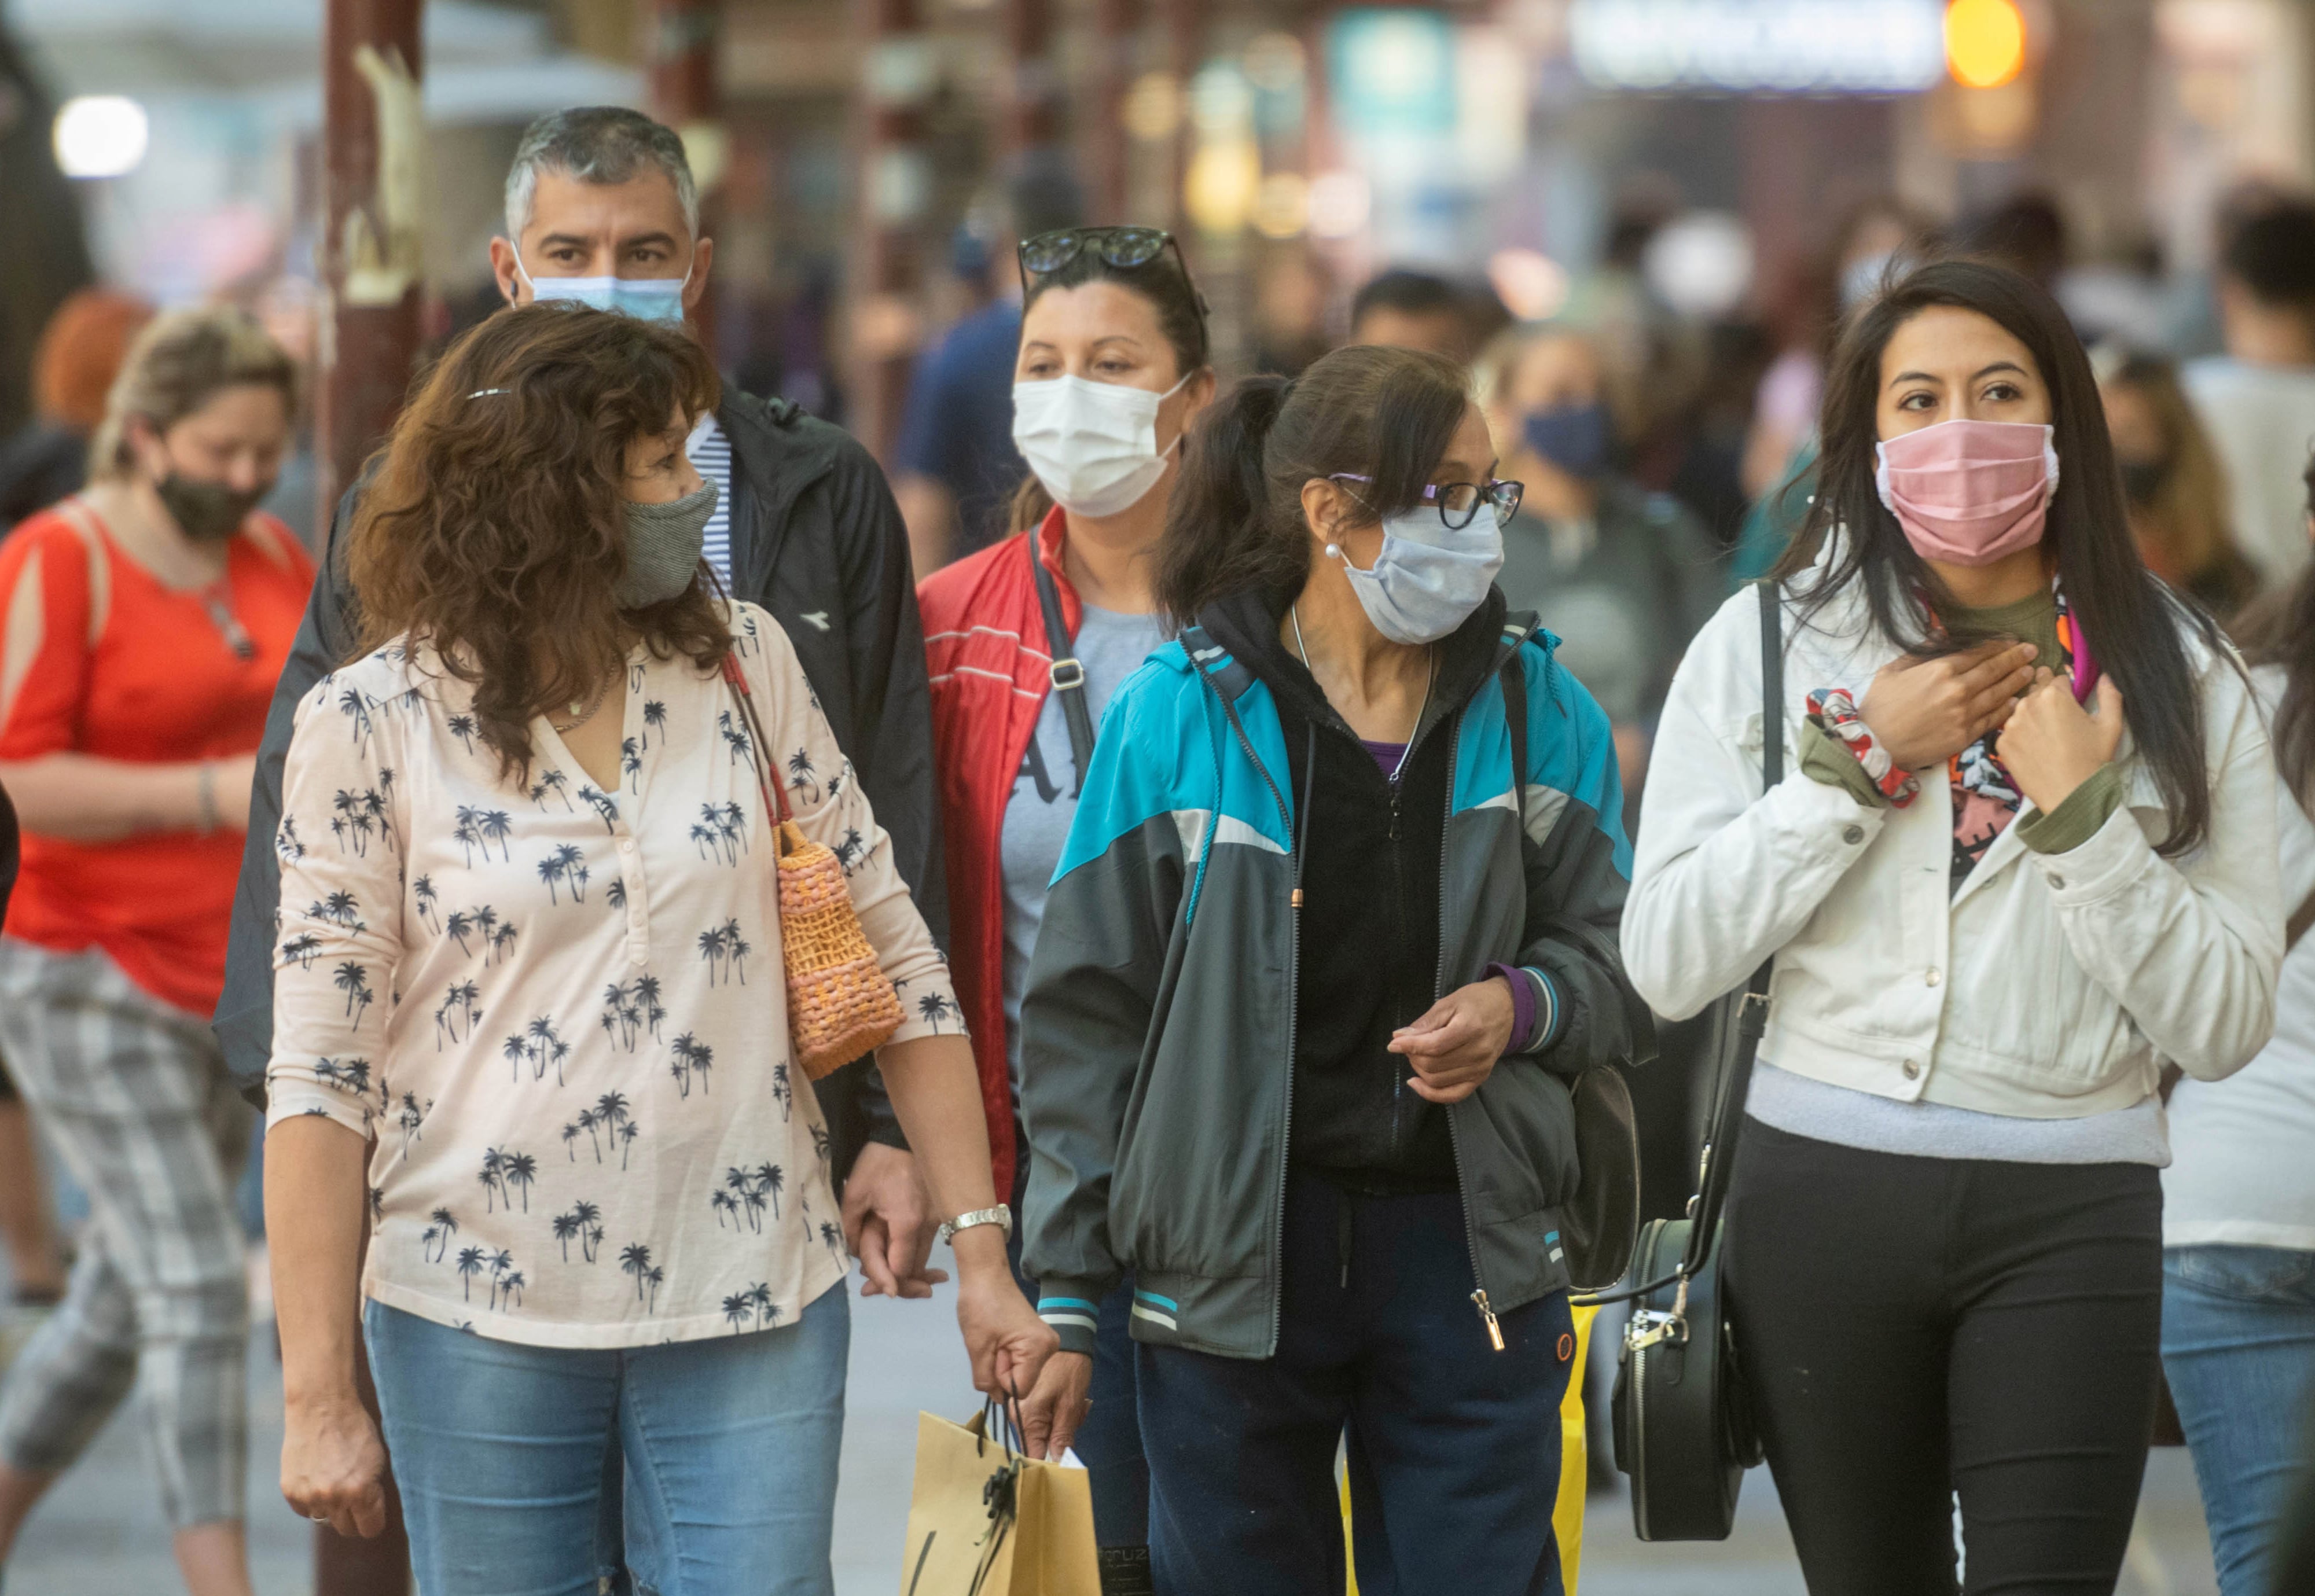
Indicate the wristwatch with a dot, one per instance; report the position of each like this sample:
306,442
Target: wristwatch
1000,1216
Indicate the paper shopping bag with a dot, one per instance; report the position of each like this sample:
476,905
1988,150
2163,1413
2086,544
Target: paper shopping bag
1057,1532
984,1520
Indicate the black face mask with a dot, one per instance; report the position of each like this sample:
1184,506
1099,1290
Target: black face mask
207,511
2142,480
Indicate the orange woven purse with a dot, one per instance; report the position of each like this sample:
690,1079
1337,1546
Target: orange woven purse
841,1005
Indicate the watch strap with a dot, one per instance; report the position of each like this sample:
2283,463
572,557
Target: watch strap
1000,1216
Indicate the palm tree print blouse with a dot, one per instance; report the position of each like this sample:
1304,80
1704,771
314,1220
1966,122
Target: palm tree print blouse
557,1013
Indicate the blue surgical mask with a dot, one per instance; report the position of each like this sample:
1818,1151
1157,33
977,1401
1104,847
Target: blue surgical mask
645,298
1428,577
1575,438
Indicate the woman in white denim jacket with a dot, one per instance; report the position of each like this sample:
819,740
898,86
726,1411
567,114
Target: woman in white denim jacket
2027,855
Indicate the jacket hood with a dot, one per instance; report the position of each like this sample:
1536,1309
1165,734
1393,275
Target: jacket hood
1246,622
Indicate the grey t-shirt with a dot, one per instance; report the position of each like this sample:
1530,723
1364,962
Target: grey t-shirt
1110,645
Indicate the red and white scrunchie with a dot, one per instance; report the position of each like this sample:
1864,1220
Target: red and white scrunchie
1833,710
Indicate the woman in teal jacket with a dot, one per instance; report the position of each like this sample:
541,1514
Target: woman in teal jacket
1333,930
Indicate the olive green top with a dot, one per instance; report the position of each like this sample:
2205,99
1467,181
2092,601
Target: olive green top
2035,620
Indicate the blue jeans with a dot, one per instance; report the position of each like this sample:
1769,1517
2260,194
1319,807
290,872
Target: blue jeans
1454,1447
729,1444
2239,1346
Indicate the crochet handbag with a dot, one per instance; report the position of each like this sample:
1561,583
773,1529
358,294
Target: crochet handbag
841,1005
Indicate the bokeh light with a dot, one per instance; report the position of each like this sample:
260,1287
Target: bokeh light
1281,209
1340,203
1152,112
1272,62
1532,286
1700,264
1224,181
1985,42
101,136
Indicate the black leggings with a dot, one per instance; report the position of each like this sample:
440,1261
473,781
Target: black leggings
1915,1328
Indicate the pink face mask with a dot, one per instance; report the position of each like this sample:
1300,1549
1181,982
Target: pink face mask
1969,492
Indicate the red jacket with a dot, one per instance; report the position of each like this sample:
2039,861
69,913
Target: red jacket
991,669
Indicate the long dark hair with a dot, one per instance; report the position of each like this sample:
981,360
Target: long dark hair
2280,630
1236,519
2130,619
495,528
1181,317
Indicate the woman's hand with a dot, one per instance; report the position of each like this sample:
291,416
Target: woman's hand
2052,746
1924,712
1051,1413
1453,1047
333,1465
887,1223
1008,1344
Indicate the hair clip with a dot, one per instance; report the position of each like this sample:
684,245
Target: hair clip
486,393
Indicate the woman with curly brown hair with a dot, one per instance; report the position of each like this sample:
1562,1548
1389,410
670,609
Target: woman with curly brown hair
527,908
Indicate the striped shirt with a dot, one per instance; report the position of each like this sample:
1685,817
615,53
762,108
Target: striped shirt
711,456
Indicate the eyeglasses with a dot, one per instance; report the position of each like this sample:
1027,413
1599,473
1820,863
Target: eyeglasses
1458,504
1121,247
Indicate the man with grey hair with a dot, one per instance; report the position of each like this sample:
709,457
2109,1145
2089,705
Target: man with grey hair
601,208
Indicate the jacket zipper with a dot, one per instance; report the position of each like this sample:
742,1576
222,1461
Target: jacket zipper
1438,990
1293,985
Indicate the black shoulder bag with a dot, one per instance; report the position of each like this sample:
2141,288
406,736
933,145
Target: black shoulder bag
1684,1428
1066,673
1599,1225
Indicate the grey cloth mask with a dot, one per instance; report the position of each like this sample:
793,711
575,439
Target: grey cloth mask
663,547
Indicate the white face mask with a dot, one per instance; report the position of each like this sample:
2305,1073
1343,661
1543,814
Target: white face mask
1428,577
645,298
1093,445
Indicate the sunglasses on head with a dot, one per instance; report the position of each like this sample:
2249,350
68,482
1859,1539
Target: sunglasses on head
1121,247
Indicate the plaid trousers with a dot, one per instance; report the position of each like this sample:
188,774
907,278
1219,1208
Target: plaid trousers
133,1095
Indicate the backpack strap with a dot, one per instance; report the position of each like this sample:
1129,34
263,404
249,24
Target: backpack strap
1067,672
77,516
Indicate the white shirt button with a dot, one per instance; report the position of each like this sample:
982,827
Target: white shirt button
1933,977
1912,1071
626,844
1852,835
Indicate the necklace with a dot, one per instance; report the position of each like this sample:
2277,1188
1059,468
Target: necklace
581,714
216,598
1429,680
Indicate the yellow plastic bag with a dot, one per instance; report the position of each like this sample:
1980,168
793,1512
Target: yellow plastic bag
985,1520
1574,1464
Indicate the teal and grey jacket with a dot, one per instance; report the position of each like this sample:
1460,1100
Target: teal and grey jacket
1157,1032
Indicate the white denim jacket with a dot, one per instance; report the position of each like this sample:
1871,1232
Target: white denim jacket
2049,987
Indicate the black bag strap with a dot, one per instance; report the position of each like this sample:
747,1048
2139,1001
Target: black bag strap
1066,673
1719,1154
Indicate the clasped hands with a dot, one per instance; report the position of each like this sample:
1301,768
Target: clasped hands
1924,711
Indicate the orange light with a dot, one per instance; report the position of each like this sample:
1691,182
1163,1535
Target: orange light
1985,42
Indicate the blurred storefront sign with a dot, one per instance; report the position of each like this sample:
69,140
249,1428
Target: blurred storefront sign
1871,47
1429,116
